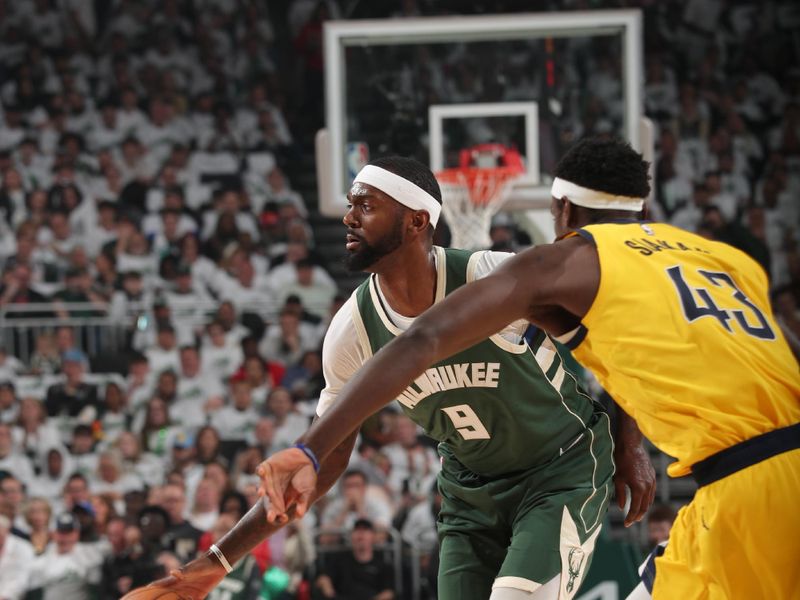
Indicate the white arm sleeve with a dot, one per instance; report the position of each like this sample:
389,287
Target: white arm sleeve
487,263
342,354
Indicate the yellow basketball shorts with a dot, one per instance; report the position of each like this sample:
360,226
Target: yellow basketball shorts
739,538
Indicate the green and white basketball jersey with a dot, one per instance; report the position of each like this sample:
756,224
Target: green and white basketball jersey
498,407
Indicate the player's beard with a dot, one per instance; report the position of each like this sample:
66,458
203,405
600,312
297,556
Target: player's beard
368,254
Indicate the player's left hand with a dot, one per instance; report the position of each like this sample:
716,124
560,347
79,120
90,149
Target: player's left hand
287,479
634,470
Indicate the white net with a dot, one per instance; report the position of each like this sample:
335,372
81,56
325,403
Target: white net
469,201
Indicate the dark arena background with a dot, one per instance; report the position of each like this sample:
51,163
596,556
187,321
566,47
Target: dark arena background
172,181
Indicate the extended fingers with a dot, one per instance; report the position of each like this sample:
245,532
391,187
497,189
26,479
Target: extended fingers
619,488
277,508
638,505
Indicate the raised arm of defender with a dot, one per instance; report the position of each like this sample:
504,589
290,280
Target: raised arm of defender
564,275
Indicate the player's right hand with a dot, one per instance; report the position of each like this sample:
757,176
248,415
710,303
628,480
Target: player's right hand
193,581
287,478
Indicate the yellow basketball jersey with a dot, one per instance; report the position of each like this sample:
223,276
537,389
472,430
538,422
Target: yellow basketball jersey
682,336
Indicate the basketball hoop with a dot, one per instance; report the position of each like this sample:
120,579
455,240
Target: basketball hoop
472,195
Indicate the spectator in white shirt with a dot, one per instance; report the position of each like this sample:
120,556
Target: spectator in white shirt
732,181
169,233
108,130
284,273
134,161
247,290
133,251
274,187
250,121
82,455
199,393
162,130
56,469
289,425
188,301
34,167
165,355
260,379
315,290
208,446
12,498
76,491
356,502
287,340
12,131
57,238
170,206
414,465
104,230
139,382
67,569
9,405
38,513
205,509
220,357
132,301
111,479
689,217
114,416
263,437
205,274
15,463
158,433
726,202
130,117
230,202
234,331
236,421
419,529
33,434
147,466
16,557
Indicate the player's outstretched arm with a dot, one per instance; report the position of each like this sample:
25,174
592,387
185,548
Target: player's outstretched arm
633,468
198,577
551,275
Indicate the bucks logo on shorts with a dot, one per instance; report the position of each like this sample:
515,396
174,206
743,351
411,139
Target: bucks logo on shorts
575,560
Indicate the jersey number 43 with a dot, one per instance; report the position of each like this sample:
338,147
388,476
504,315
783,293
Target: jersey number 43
750,318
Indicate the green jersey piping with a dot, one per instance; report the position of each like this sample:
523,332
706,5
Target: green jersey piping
523,428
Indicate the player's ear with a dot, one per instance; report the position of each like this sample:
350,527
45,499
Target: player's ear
420,219
570,216
563,213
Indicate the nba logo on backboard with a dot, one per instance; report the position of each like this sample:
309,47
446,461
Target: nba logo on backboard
357,158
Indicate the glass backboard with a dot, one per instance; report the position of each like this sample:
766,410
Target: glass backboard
426,87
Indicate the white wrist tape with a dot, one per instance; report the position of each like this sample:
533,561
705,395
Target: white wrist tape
223,561
589,198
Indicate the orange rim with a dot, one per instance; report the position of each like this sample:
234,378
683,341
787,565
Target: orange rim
484,185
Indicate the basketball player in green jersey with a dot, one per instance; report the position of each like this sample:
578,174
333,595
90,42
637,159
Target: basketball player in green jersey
526,455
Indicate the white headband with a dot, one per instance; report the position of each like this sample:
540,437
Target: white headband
400,189
592,198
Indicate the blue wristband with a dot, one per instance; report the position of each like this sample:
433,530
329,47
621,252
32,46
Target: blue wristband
309,453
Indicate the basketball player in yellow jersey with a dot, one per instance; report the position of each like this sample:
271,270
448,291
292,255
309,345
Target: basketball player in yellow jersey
677,328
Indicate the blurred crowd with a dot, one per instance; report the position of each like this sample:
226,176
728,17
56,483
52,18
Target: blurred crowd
146,150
